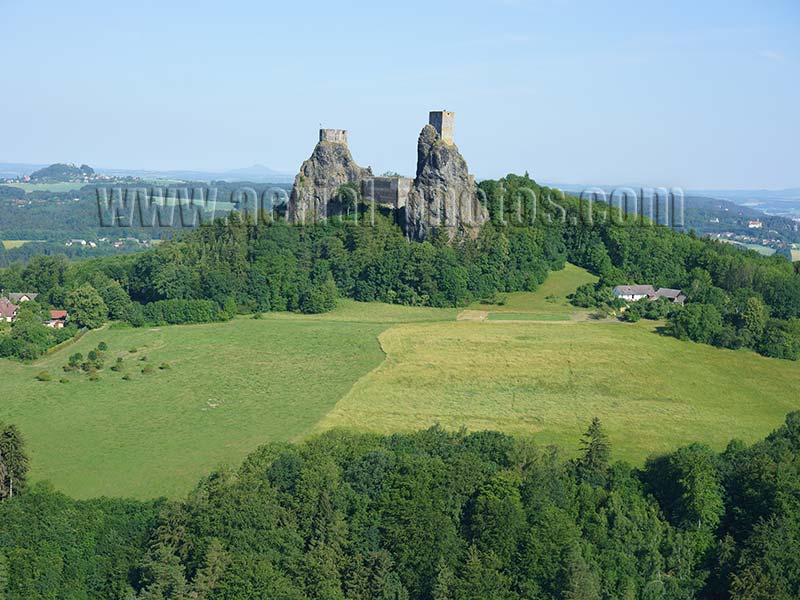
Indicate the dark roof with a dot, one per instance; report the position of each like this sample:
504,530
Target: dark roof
668,293
18,296
7,309
634,290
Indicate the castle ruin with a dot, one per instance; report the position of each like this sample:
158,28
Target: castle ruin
441,195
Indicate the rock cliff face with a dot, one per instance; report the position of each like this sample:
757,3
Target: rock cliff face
330,166
444,193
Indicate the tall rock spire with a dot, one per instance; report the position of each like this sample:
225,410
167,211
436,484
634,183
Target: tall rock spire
330,166
444,194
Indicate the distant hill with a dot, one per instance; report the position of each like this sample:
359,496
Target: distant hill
784,202
255,173
774,202
62,172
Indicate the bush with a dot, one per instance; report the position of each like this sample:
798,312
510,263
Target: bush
591,295
44,376
779,341
102,347
147,370
632,315
126,377
94,377
697,322
63,380
165,366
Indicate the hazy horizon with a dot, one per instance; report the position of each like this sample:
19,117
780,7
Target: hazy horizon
700,97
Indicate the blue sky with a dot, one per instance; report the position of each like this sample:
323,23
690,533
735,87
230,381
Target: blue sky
692,94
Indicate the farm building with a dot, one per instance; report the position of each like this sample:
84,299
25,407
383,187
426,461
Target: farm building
632,293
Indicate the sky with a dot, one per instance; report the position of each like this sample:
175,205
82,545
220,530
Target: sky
682,93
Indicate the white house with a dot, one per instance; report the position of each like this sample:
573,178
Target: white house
632,293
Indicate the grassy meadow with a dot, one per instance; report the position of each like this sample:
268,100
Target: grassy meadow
11,244
548,303
230,388
533,366
548,379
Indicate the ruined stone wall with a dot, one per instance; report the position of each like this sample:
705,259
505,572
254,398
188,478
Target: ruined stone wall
387,191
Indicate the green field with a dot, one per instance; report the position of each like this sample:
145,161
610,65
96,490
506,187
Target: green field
765,250
11,244
549,379
548,303
231,387
545,372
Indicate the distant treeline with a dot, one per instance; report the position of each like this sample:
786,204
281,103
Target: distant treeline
735,298
56,216
432,515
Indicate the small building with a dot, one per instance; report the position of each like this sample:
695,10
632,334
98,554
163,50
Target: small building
8,310
21,297
58,319
674,296
755,224
632,293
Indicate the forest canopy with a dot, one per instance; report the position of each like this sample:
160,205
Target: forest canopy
430,515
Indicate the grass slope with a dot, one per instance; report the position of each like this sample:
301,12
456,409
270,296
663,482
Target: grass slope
548,303
542,369
652,392
231,387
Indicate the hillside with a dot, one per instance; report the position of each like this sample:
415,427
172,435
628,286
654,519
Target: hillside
234,386
61,172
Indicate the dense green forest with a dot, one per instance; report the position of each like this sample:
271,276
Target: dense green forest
430,515
735,298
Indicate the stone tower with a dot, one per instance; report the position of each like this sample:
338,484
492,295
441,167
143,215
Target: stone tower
336,136
443,122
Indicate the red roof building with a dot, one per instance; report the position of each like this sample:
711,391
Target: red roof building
58,319
8,311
